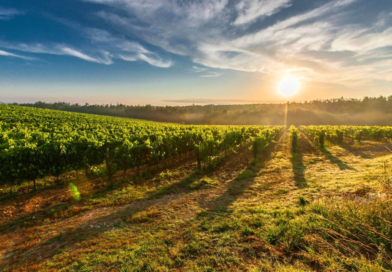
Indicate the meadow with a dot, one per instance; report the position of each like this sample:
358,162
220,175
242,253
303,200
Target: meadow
82,192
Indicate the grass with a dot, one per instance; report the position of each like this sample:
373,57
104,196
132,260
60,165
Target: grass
284,212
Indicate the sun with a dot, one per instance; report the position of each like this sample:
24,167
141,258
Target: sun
289,86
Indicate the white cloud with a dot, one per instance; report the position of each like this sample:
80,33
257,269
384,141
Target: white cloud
362,40
152,60
72,52
8,13
212,74
55,49
250,10
213,39
126,50
199,69
206,72
7,54
290,24
105,48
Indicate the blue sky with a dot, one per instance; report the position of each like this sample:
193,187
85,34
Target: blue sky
178,51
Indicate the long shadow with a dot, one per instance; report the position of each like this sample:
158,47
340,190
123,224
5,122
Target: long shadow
305,146
237,186
382,149
26,219
8,227
299,170
355,151
334,160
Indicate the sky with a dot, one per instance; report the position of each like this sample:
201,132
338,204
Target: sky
178,52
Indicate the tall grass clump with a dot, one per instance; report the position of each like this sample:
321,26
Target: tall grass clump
294,136
340,235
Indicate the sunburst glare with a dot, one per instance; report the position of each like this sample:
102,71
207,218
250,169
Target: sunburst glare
288,86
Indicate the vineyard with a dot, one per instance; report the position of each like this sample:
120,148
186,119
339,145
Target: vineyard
348,134
35,143
132,195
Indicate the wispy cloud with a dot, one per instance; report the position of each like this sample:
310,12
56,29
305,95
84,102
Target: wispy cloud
8,13
8,54
55,49
324,41
206,72
310,43
104,48
124,49
77,54
212,74
212,37
250,10
199,69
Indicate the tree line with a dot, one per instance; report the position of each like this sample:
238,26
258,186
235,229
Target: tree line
339,111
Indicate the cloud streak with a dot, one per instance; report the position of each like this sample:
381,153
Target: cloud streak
53,49
250,10
104,47
206,72
8,54
8,13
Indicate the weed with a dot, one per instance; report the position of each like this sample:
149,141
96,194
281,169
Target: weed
302,201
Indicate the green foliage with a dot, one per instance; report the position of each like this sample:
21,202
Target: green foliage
262,140
97,171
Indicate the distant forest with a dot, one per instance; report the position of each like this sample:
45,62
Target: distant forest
340,111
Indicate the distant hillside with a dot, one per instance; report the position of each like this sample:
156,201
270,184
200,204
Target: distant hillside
341,111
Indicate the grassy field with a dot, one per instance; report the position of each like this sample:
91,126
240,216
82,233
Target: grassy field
309,211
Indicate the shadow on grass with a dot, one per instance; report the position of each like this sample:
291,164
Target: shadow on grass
237,187
36,218
375,151
355,151
334,160
94,228
299,170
